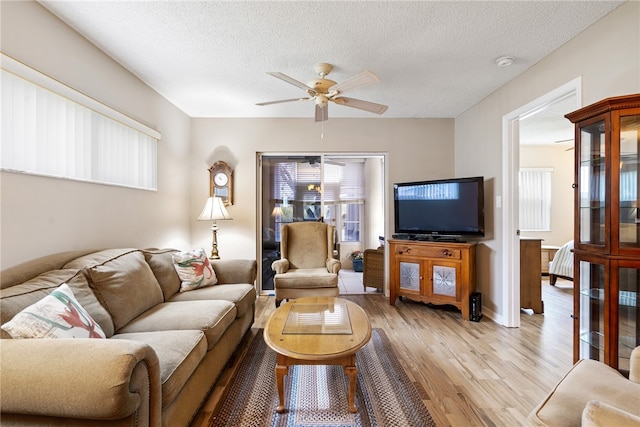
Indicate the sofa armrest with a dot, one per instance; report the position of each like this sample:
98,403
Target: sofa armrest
280,266
333,265
235,270
634,368
600,414
80,378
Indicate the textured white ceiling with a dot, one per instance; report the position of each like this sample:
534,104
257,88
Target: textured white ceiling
435,58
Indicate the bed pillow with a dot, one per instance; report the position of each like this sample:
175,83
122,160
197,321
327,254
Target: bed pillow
194,270
58,315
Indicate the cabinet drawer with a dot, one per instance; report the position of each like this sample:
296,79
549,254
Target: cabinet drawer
429,251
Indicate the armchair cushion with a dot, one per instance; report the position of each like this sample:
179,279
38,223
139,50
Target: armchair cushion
587,380
307,278
307,244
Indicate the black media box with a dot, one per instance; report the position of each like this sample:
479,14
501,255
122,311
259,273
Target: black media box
475,307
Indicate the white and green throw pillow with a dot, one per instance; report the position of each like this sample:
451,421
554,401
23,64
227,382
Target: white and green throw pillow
194,270
58,315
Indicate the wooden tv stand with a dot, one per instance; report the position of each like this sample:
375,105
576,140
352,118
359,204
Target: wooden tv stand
440,273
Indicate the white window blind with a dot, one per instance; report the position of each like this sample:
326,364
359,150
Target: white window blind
50,129
535,199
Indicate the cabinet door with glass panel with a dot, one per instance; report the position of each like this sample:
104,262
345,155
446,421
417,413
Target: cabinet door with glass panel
625,180
607,231
592,155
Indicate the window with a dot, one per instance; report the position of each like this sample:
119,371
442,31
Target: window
300,189
344,181
535,199
50,129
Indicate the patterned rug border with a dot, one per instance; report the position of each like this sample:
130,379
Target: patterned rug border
385,395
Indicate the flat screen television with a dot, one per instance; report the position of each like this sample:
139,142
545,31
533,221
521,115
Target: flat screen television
439,208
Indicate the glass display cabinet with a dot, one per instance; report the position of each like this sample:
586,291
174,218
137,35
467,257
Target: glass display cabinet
607,231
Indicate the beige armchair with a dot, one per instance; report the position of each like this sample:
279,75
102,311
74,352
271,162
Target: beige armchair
307,267
592,394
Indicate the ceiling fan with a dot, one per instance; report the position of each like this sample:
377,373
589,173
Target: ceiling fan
563,141
323,91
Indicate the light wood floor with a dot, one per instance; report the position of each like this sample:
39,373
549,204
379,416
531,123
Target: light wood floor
468,373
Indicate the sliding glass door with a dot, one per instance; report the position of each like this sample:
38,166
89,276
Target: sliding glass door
344,191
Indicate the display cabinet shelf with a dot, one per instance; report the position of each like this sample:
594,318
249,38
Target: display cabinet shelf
592,339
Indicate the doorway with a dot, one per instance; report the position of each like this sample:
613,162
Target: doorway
344,190
510,190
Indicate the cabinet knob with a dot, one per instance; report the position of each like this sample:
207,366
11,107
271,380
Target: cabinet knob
446,252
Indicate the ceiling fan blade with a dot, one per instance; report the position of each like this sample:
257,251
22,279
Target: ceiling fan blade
291,81
283,100
322,112
371,107
363,79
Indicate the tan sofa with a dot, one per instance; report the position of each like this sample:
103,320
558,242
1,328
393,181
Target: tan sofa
163,352
592,394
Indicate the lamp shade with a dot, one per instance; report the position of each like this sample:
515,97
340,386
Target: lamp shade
213,210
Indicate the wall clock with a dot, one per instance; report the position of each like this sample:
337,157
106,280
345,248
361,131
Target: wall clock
221,182
444,281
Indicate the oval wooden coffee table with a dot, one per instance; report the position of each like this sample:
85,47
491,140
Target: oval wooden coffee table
317,331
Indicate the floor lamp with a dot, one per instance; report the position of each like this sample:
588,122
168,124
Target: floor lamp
214,210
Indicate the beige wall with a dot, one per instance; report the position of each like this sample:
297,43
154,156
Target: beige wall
561,161
81,215
607,58
417,149
43,215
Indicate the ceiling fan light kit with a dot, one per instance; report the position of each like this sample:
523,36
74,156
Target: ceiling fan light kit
323,91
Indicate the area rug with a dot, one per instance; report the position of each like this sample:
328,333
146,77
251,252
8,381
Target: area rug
317,395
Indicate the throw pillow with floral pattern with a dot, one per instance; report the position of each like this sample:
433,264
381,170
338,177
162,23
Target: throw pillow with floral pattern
58,315
194,269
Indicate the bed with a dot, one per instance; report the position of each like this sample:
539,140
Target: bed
562,263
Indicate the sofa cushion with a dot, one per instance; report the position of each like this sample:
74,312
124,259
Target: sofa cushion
15,298
96,258
179,353
242,295
58,315
161,263
211,317
126,286
194,270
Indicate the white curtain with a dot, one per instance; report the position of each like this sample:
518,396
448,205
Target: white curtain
535,199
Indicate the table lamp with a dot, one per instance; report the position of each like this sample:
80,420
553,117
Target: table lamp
214,210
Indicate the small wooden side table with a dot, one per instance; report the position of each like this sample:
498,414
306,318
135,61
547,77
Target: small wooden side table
317,331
